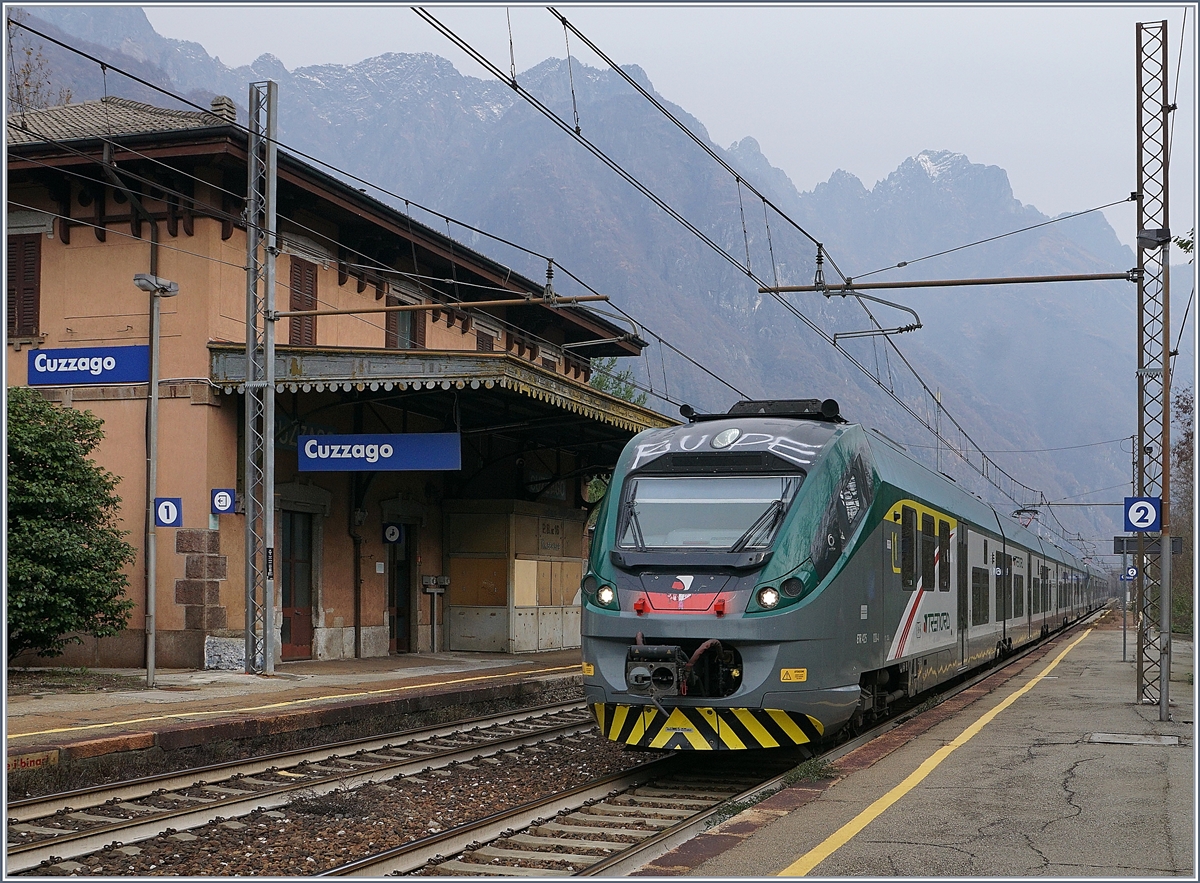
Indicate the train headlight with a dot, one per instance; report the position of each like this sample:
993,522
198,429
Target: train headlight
768,598
793,587
725,438
589,585
607,596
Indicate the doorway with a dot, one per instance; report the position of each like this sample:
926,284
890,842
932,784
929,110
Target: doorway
295,586
399,596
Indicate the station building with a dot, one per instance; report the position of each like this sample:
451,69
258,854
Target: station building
353,550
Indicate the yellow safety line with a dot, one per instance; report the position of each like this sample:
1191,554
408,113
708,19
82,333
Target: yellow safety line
226,711
844,834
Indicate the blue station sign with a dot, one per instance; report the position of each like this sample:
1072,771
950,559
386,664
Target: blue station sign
399,452
89,366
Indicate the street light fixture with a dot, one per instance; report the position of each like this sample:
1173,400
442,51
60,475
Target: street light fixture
158,288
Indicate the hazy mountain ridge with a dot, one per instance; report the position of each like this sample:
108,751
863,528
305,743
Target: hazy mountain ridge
1031,368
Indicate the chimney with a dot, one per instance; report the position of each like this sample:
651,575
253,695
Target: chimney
224,107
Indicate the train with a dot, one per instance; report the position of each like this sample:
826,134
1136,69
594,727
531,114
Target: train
777,576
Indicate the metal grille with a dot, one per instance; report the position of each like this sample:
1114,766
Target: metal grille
259,487
1153,338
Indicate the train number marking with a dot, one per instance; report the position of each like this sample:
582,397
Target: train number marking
793,675
860,638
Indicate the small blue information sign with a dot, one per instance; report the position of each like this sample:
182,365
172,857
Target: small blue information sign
168,512
393,534
224,500
1143,514
397,452
88,366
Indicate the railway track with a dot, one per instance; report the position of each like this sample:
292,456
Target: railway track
613,826
609,825
72,824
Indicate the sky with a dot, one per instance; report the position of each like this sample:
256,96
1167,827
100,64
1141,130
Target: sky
1045,92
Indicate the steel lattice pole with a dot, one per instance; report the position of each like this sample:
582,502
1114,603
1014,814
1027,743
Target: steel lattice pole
1154,410
259,455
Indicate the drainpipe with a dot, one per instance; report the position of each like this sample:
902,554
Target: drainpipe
150,556
356,536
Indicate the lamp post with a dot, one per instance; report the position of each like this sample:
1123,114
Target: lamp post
158,288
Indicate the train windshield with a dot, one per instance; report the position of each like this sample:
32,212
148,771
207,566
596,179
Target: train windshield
719,513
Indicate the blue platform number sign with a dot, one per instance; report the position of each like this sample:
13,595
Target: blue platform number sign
223,500
168,512
1143,514
393,534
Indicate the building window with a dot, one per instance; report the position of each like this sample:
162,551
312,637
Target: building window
397,327
484,342
24,284
303,284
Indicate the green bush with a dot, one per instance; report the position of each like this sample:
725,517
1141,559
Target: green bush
65,554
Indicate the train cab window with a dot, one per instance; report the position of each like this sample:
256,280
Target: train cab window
928,553
943,556
841,518
908,547
1018,583
979,595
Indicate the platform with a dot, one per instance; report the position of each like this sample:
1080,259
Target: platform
186,709
1049,770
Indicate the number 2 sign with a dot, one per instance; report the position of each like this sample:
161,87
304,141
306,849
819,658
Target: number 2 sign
1143,514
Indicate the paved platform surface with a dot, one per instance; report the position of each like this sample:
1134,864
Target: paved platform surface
190,707
1050,771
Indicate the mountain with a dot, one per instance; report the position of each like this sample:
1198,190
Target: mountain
1021,368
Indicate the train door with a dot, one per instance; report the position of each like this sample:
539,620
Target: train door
979,564
399,596
962,591
295,586
893,597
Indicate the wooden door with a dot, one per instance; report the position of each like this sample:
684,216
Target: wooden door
295,586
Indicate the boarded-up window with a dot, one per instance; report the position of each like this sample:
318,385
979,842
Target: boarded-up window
24,284
303,284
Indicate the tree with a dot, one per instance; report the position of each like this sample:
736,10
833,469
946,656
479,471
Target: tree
1183,496
616,383
65,554
30,80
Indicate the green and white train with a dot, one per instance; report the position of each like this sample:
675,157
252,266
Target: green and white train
770,576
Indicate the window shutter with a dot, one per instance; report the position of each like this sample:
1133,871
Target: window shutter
484,342
391,325
418,329
303,285
24,284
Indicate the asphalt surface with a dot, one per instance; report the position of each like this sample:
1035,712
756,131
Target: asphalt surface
1056,772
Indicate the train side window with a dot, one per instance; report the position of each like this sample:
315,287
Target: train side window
1035,595
943,556
928,552
908,547
979,595
1018,582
